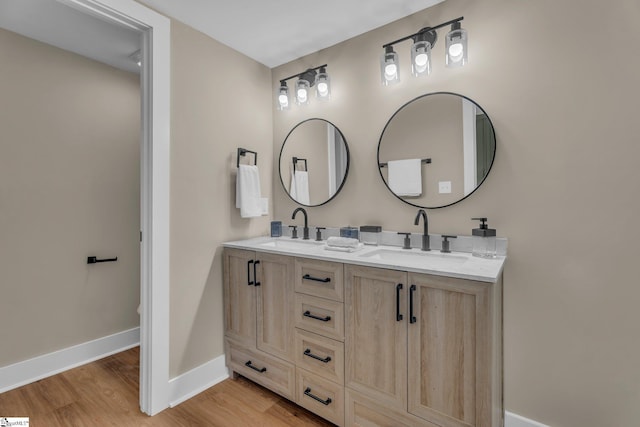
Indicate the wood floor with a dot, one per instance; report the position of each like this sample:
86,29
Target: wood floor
105,393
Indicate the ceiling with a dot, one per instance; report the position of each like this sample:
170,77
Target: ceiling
272,32
56,24
278,31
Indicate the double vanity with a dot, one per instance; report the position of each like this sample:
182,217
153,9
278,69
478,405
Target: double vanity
382,336
377,337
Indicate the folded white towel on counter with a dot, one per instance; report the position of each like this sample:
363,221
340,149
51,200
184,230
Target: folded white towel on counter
405,177
248,198
342,242
344,249
299,188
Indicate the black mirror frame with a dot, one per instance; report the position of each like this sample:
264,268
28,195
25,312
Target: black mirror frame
346,172
407,104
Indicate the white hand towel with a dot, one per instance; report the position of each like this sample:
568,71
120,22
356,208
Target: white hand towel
405,177
248,198
299,188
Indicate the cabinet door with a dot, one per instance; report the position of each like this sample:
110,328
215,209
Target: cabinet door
449,344
362,411
274,285
375,336
240,297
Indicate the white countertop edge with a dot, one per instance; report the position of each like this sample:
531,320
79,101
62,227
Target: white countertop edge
478,269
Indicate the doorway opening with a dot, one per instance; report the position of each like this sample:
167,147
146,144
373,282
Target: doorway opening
154,31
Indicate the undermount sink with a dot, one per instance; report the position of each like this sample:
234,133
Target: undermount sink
292,244
402,255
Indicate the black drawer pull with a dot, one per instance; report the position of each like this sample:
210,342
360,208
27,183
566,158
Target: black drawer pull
323,319
255,275
398,314
249,281
307,392
412,318
307,352
317,279
249,365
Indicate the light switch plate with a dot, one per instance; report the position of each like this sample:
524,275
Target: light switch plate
444,187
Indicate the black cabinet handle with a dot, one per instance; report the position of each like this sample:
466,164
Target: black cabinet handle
249,365
255,275
323,319
412,318
307,392
307,352
399,316
249,281
309,277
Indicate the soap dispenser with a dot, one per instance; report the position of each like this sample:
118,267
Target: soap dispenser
484,240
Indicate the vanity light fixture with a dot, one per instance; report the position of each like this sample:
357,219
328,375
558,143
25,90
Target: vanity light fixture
317,77
302,91
389,69
323,85
456,46
282,96
423,42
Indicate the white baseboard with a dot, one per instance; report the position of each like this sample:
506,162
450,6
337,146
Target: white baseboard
31,370
514,420
197,380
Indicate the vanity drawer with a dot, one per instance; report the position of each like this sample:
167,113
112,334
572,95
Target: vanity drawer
319,278
319,315
271,372
320,396
319,355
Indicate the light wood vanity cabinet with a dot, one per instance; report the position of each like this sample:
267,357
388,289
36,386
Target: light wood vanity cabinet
376,341
258,289
319,329
376,347
426,345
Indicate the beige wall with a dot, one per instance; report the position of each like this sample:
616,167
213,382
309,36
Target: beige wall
69,188
559,80
221,100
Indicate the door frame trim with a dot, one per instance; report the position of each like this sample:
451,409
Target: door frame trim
155,83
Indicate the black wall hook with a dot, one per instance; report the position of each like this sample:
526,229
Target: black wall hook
94,260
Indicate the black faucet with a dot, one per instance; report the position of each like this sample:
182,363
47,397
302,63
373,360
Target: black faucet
306,224
425,234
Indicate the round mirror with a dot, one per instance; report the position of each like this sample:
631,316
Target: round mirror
314,162
436,150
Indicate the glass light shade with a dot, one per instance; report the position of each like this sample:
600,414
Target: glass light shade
421,58
282,97
456,46
389,69
323,86
302,92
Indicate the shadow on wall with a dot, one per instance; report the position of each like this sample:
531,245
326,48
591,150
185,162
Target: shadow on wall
207,321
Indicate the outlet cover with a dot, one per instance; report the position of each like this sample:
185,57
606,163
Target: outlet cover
444,187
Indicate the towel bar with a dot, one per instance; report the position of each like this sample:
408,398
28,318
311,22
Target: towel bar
425,161
243,152
295,163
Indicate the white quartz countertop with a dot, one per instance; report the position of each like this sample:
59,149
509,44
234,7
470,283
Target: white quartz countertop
460,265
